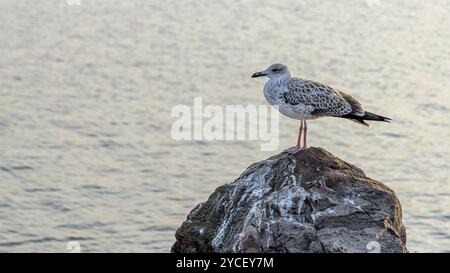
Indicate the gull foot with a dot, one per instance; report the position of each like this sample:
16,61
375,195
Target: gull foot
293,150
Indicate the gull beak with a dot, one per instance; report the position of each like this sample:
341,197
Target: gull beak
259,74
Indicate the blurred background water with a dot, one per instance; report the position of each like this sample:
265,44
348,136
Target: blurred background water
86,93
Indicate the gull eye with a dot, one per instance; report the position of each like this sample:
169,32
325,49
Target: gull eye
276,70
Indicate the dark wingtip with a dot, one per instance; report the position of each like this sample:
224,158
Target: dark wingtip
367,116
375,117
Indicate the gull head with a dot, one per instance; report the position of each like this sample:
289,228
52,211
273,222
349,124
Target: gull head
275,71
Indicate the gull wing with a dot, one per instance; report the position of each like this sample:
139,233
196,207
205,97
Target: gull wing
322,99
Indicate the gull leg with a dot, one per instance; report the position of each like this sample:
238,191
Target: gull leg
298,147
300,129
305,132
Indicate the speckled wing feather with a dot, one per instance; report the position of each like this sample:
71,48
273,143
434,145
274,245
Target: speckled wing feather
321,99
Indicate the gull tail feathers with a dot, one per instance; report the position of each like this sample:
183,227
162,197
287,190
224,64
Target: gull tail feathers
362,122
367,116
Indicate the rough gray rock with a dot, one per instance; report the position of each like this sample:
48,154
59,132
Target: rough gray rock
308,202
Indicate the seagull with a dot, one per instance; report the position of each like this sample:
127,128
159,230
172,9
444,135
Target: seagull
306,100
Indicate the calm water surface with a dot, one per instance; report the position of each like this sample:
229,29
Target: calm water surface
86,93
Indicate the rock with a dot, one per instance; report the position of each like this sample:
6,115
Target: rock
311,201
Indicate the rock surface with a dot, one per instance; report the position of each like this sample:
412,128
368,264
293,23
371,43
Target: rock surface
311,201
